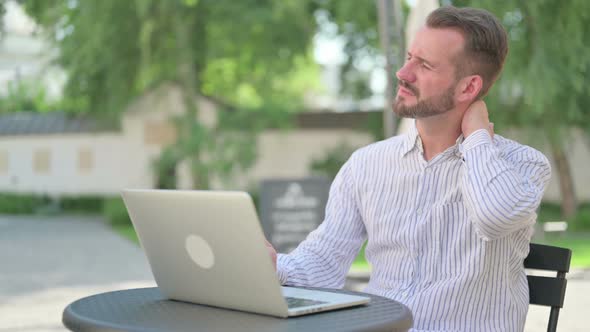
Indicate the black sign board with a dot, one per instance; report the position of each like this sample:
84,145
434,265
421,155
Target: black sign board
291,209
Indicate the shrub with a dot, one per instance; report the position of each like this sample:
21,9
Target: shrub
332,161
13,203
86,204
22,203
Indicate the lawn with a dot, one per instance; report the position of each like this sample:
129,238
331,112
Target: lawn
579,243
359,263
127,232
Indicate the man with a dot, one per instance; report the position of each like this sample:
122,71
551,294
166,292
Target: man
448,209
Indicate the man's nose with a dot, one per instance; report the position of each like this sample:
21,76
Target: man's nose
406,73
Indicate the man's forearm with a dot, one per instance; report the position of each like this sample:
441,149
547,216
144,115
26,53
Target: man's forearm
318,263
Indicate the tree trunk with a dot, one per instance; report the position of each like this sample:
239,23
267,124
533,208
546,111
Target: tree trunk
385,10
569,204
189,69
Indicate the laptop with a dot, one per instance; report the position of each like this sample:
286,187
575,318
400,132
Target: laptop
207,247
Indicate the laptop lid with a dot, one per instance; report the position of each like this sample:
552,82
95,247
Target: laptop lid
208,247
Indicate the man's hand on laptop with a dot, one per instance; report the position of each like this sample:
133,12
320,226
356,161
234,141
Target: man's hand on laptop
272,252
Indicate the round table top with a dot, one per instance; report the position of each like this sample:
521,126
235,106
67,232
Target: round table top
145,309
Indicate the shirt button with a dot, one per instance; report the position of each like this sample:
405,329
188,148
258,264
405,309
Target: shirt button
418,211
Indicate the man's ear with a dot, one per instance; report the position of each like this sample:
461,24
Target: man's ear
469,87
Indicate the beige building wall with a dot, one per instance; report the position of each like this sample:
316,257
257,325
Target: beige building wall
106,163
70,164
289,154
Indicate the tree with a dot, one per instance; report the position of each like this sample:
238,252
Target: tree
356,22
251,58
545,85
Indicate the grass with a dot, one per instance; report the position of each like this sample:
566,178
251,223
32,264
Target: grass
359,263
579,243
549,212
127,232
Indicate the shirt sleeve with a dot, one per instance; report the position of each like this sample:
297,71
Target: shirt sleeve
324,257
502,188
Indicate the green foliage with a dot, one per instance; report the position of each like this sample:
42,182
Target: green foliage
244,53
115,212
375,125
165,168
249,57
546,79
252,58
332,161
22,203
11,203
255,194
26,96
81,204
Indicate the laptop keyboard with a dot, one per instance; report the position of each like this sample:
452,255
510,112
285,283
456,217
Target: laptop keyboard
294,302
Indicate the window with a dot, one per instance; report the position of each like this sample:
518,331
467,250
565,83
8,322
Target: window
3,162
42,161
85,160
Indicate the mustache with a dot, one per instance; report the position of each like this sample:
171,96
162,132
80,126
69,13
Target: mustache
408,86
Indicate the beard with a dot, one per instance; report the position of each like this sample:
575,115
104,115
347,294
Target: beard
424,108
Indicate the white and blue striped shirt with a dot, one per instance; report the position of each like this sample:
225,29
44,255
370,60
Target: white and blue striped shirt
446,237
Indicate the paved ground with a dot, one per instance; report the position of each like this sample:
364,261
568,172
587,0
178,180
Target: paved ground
46,263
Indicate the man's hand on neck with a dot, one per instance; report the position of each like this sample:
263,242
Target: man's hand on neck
475,118
440,132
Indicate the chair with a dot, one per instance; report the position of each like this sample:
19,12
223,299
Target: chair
548,291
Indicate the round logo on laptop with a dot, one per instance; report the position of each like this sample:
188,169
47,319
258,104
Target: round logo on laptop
200,251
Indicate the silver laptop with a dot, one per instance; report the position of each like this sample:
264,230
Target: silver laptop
207,247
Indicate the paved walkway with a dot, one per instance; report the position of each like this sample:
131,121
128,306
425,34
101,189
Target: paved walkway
48,262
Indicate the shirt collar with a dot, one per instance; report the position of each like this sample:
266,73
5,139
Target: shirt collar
412,140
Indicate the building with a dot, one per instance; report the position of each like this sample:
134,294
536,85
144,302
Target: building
57,155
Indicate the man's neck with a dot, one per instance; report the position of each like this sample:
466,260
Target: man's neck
438,133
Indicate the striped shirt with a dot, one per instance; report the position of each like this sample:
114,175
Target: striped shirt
446,237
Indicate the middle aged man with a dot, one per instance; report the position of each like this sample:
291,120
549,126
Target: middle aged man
448,209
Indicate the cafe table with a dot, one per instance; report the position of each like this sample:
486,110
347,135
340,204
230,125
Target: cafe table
145,309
